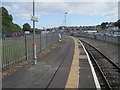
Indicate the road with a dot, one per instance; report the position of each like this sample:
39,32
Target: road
51,71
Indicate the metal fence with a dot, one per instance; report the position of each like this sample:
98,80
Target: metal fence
100,36
15,49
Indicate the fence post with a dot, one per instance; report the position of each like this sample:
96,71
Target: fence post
46,39
26,49
51,37
40,41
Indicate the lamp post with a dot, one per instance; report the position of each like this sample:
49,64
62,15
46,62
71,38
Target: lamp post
65,17
65,28
34,44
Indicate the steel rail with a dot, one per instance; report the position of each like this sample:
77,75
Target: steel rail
98,66
103,55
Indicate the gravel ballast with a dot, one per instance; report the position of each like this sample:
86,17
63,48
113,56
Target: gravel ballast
110,50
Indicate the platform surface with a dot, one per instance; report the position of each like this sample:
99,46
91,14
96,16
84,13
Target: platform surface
86,76
38,76
74,70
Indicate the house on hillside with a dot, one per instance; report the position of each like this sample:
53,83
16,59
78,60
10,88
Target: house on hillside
112,28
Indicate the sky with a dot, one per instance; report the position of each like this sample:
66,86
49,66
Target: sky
52,14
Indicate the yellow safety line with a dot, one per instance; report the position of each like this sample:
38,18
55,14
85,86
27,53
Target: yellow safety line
73,77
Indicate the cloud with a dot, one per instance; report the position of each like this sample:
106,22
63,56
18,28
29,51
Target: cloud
87,8
23,16
62,0
93,9
46,25
23,10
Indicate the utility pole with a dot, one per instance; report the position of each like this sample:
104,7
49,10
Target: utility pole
34,44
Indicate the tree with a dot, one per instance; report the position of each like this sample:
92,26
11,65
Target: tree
117,23
103,25
49,29
26,27
16,27
7,24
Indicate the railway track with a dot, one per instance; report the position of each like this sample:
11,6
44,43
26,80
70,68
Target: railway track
107,71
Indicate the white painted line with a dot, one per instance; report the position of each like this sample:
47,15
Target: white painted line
92,69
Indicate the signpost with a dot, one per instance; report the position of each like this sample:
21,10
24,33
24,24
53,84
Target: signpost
34,19
27,32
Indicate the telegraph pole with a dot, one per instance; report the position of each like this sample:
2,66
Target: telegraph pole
34,44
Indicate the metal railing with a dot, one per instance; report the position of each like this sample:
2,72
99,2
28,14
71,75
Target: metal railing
15,49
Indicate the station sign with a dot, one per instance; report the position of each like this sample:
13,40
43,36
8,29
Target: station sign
34,18
27,32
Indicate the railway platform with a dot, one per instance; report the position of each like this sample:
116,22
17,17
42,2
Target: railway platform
87,75
66,66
